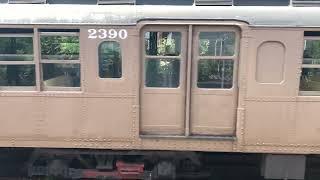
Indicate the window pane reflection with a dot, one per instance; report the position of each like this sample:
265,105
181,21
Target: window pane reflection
217,43
16,49
311,52
310,79
163,43
17,75
215,73
63,75
110,60
162,73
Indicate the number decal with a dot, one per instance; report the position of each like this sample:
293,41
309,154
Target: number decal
104,34
92,33
123,34
113,33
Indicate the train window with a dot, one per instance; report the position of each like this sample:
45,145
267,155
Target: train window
60,59
310,75
162,56
216,59
110,65
215,73
17,67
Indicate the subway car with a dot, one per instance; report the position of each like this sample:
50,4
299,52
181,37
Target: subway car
125,90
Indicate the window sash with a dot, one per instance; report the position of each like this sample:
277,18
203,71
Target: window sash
162,57
56,88
309,93
60,61
18,88
310,66
16,62
217,57
59,34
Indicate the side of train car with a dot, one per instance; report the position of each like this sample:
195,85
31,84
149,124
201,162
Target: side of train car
216,79
208,85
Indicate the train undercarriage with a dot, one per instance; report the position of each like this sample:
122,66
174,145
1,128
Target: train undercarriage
52,164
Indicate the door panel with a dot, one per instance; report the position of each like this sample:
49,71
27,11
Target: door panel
202,103
214,90
163,82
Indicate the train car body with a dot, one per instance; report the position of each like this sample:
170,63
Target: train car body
176,78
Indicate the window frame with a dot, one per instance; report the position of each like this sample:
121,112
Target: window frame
33,62
197,57
182,29
46,61
308,66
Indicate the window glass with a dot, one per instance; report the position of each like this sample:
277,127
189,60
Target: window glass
217,43
310,79
162,43
16,49
63,75
59,47
110,60
310,74
17,75
215,73
311,52
162,73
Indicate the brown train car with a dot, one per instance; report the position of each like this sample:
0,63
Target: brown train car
154,80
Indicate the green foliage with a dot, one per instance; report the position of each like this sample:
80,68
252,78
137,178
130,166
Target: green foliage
60,47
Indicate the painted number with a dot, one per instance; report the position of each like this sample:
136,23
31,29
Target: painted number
92,34
123,34
104,33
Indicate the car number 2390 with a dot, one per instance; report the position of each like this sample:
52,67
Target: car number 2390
107,33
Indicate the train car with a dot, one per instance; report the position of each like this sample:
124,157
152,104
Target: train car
163,84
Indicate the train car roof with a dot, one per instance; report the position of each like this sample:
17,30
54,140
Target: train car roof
132,14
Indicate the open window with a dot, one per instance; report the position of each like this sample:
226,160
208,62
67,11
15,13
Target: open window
60,61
